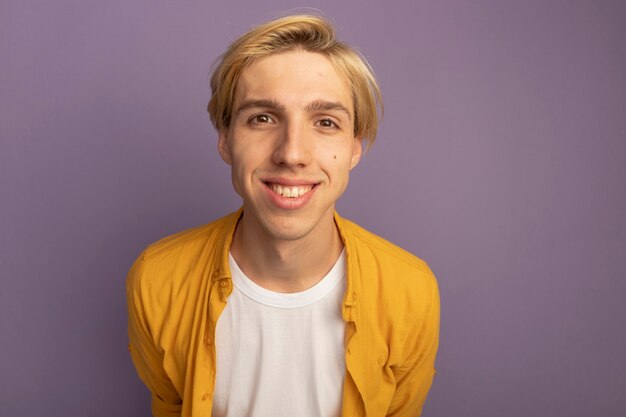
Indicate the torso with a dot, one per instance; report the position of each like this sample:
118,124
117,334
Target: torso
281,354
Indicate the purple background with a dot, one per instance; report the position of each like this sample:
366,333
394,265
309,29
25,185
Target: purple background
501,161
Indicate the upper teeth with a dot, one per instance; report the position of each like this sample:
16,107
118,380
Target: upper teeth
290,191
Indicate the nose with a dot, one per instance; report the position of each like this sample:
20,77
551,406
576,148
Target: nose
293,146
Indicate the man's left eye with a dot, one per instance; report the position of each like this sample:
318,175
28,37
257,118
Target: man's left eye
327,123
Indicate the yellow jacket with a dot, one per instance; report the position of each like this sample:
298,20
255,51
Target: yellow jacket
178,288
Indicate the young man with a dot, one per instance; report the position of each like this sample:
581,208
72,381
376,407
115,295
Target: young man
284,308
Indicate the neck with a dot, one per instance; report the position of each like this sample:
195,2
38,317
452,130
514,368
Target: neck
286,265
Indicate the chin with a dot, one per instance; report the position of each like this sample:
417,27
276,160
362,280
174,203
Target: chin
288,230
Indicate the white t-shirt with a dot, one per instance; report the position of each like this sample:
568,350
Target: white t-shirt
281,355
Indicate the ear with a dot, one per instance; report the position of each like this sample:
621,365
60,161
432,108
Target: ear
222,146
357,149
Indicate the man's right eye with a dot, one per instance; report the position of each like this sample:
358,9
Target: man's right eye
261,119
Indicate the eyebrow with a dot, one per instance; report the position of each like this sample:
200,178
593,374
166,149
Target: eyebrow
318,105
314,106
259,103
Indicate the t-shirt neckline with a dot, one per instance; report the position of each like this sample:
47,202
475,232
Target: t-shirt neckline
289,300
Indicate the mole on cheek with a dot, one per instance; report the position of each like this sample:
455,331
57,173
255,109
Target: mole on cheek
334,156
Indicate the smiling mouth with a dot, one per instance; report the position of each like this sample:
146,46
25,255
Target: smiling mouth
290,191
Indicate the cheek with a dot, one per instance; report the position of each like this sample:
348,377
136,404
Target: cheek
236,179
342,158
243,166
338,166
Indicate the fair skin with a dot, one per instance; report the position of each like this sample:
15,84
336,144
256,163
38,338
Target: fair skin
291,147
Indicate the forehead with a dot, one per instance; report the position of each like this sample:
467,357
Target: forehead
293,78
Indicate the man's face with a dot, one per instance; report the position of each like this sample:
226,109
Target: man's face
290,143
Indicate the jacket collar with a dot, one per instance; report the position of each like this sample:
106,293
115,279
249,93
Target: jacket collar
352,264
225,239
350,311
222,248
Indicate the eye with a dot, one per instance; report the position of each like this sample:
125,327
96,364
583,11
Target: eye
327,124
260,119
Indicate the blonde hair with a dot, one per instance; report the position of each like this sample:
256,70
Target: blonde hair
312,34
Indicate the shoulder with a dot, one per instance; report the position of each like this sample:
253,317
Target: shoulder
385,256
390,280
172,258
397,293
187,241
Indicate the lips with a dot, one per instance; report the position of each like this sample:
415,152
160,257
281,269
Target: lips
290,191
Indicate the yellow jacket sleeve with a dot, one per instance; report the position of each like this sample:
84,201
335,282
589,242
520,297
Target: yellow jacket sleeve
413,380
146,355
